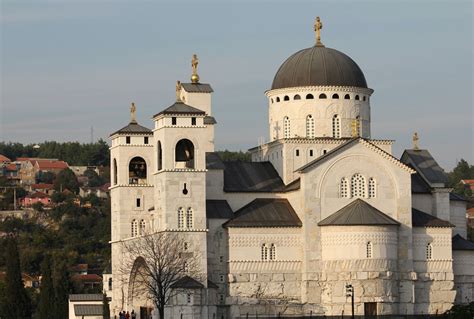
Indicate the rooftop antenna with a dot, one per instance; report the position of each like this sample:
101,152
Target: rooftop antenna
92,135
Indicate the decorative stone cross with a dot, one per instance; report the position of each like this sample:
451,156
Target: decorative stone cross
318,25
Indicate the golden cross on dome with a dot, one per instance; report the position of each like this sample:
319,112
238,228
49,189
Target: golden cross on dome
194,64
133,110
318,25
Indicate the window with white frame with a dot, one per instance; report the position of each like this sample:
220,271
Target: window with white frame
369,250
309,126
189,218
272,252
429,251
264,252
358,186
286,127
336,126
180,217
372,188
344,188
142,227
134,228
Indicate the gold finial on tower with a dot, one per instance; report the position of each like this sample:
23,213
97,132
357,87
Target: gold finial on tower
318,25
178,91
415,141
133,110
194,64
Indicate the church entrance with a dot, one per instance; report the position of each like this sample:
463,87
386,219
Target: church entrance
145,312
370,308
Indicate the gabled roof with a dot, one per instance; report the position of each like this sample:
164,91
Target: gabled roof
418,185
254,177
357,213
425,165
218,209
44,164
197,87
422,219
348,144
3,159
180,108
265,212
460,243
133,128
187,283
88,310
214,161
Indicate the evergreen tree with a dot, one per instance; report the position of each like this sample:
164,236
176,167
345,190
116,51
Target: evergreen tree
47,291
105,309
66,179
62,286
16,303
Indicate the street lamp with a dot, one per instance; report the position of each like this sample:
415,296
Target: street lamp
350,293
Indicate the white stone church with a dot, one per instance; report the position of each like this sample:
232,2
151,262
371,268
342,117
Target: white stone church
323,204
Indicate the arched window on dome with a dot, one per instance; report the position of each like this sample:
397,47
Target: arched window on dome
357,98
336,126
137,171
335,96
264,252
322,96
189,218
286,127
115,172
159,162
181,218
347,97
142,227
344,188
372,188
134,228
297,97
309,96
368,250
286,98
358,186
278,99
429,251
309,126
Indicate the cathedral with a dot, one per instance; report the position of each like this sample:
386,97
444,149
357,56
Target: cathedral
324,220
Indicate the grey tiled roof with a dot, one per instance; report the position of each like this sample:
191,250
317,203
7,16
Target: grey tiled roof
218,209
460,243
86,297
426,166
88,310
265,212
358,212
133,128
418,185
197,87
187,283
254,177
180,108
209,120
422,219
214,161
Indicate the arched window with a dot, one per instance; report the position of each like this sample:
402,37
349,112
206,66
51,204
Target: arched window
322,96
344,188
272,252
278,99
286,127
115,172
137,171
297,97
189,218
369,250
357,98
264,252
358,186
335,96
336,126
110,283
309,96
180,217
429,251
142,227
309,126
184,154
347,97
271,100
372,188
134,228
286,98
159,157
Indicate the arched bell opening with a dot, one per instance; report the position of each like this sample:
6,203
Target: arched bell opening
137,171
184,154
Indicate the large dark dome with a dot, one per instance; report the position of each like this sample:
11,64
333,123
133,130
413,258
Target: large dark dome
319,66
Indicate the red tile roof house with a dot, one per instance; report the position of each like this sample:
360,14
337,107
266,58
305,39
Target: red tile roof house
31,166
38,197
468,183
4,159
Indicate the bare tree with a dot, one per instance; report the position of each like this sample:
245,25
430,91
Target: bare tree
156,262
272,296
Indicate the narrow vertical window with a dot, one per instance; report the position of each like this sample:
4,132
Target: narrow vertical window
134,228
173,120
429,251
344,191
138,202
193,121
145,140
180,217
115,172
189,218
286,127
297,152
127,139
142,227
272,252
310,153
372,188
110,283
264,252
336,126
369,250
358,186
309,126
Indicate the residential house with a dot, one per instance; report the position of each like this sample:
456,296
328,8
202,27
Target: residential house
30,167
37,197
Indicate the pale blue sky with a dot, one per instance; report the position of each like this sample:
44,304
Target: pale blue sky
69,65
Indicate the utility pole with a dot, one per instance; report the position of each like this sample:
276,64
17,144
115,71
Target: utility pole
14,195
350,293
